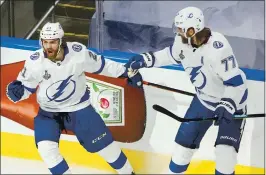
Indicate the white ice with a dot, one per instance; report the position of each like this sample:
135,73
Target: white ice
10,165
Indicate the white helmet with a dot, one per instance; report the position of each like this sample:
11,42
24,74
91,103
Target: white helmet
52,31
189,17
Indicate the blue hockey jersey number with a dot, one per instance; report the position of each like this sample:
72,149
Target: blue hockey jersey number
227,61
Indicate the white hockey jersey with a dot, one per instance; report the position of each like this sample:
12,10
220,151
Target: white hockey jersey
213,69
61,86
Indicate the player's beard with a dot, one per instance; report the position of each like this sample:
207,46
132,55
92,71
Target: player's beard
52,54
184,40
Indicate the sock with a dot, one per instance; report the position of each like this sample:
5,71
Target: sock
60,168
68,172
217,172
122,165
175,168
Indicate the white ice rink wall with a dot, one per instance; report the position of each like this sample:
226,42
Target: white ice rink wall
133,27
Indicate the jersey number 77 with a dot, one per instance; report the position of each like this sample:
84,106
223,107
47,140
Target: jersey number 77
229,62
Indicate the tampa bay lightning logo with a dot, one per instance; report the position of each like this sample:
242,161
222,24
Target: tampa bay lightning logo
61,90
197,77
190,15
217,44
77,47
35,56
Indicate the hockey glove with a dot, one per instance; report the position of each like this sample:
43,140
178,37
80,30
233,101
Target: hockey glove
140,61
224,112
15,91
134,78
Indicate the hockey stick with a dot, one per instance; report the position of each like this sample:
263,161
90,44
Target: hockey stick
168,88
132,73
180,119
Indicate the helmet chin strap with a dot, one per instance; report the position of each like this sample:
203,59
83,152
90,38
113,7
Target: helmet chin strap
59,47
189,38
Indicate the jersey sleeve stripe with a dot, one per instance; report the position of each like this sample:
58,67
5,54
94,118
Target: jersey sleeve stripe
245,96
234,81
102,66
85,97
31,90
170,48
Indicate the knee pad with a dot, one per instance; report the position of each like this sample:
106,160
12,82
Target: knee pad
49,152
226,159
182,155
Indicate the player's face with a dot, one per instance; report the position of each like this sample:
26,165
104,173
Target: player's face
51,47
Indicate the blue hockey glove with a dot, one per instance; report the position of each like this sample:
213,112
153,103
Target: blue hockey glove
140,61
224,112
136,80
15,91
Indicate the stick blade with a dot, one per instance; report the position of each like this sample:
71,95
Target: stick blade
172,115
166,112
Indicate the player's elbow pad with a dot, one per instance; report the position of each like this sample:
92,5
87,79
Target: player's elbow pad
16,91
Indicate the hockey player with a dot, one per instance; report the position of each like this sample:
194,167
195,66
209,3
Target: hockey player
220,86
58,71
